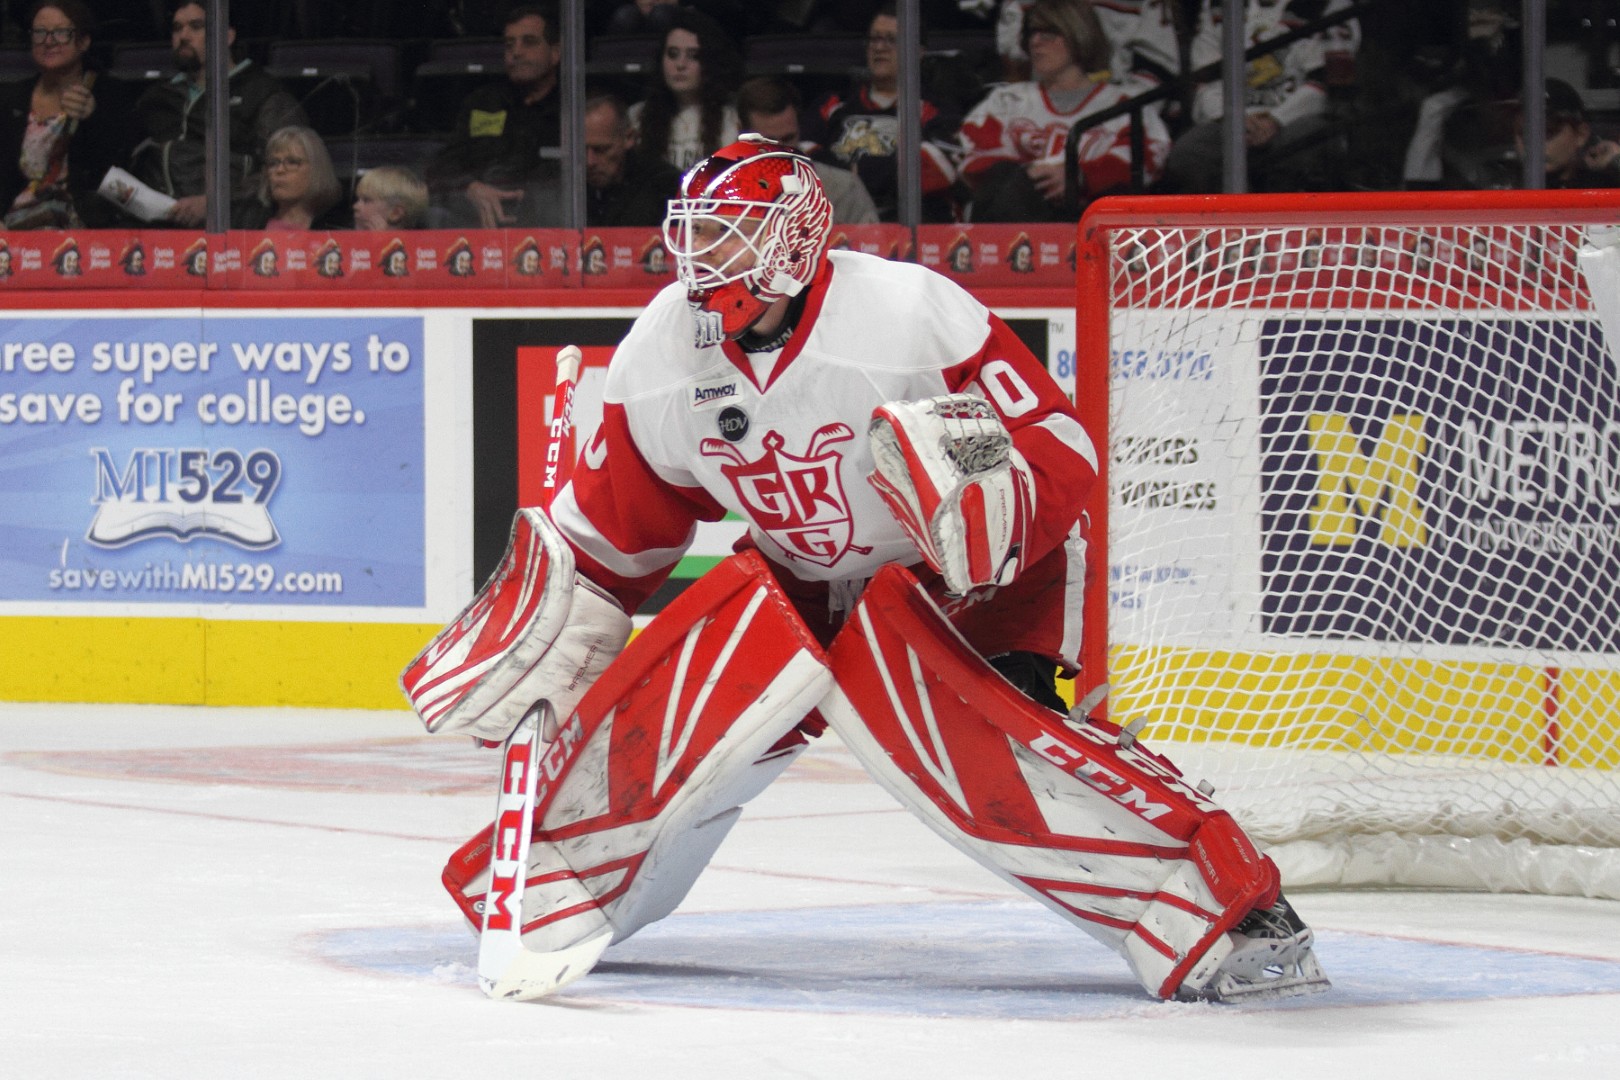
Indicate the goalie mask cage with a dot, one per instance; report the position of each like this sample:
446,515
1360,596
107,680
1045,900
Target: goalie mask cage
1357,542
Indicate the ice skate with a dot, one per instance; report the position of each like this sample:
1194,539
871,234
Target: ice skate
1271,958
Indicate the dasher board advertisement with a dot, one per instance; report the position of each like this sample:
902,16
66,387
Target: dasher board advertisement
262,461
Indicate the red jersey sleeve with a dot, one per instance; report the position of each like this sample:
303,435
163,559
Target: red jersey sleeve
628,526
1046,429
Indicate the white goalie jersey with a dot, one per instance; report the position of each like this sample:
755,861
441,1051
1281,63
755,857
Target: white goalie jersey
780,438
638,780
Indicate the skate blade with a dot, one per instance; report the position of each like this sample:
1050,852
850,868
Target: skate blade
1305,977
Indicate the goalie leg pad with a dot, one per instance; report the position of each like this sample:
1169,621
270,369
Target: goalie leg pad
1090,823
947,469
642,782
535,630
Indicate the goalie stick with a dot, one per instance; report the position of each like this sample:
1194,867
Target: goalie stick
502,968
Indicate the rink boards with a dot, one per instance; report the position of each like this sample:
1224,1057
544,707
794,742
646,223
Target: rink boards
271,505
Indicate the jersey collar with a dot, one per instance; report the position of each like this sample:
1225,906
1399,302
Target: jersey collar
807,321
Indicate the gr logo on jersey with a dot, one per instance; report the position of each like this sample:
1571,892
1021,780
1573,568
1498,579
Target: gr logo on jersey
797,500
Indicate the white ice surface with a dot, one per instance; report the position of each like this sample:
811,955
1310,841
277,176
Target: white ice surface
254,893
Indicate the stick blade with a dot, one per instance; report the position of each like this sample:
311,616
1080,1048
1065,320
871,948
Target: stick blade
525,975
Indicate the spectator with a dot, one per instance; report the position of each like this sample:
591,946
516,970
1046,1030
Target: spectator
770,107
298,190
390,197
58,137
1575,159
1013,141
502,164
1142,33
1010,39
642,17
688,113
1293,143
623,187
1152,47
174,115
1460,138
861,132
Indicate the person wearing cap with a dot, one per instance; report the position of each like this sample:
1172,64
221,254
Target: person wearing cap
1575,157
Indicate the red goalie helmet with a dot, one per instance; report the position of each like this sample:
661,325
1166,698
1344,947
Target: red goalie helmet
749,228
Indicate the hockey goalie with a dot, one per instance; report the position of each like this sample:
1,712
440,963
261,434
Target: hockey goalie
911,479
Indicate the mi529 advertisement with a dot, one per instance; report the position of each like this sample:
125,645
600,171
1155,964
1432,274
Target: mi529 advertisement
196,460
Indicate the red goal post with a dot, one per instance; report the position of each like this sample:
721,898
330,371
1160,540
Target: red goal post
1357,539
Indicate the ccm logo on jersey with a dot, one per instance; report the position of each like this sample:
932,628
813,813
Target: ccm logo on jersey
704,397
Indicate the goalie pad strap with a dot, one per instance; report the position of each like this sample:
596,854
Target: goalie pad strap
534,630
1105,833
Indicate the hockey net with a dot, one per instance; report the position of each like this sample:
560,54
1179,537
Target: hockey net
1358,548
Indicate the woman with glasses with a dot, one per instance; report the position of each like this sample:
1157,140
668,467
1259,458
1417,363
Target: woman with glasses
298,190
689,112
62,131
1013,141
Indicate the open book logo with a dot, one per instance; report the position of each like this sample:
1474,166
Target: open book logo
184,494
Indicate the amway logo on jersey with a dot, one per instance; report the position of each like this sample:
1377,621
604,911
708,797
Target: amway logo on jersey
798,501
713,394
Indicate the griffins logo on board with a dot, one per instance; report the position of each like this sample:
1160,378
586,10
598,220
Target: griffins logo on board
265,261
329,260
842,241
798,501
67,260
1420,251
195,258
654,257
959,257
1021,255
133,260
395,263
593,258
526,258
5,261
459,259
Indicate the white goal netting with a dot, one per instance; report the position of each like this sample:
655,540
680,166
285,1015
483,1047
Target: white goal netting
1363,527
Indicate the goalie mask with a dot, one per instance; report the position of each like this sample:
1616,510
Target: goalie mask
748,229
